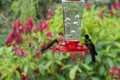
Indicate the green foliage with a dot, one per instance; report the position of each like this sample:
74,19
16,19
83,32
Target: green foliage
24,9
56,23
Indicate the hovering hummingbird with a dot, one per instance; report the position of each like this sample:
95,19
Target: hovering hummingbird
90,47
50,44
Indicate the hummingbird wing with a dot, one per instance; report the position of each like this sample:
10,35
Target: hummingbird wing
49,45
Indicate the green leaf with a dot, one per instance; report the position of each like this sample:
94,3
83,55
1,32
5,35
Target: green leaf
95,78
86,66
60,77
26,69
110,62
42,69
47,66
117,44
87,59
9,49
101,70
17,74
73,71
66,66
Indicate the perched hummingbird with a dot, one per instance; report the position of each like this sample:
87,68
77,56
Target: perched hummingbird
90,47
50,44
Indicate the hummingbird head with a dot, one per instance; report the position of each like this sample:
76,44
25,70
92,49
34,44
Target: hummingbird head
86,36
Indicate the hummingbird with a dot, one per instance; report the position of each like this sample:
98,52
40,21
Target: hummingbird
89,44
50,44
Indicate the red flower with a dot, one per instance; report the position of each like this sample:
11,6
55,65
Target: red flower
117,5
112,71
49,14
17,26
118,73
112,10
20,26
18,37
37,54
101,15
88,5
29,25
73,57
13,36
9,39
24,77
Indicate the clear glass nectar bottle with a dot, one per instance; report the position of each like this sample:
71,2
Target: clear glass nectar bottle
72,14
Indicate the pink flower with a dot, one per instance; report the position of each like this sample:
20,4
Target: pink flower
35,29
22,51
43,26
49,34
16,50
117,5
80,56
88,5
19,52
9,39
43,45
101,15
112,71
29,25
73,57
118,73
112,8
25,53
37,54
60,38
31,44
24,77
49,14
15,47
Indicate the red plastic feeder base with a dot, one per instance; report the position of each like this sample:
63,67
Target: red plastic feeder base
70,46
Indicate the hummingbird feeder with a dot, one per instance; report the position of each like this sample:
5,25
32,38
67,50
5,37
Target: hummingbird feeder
72,17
